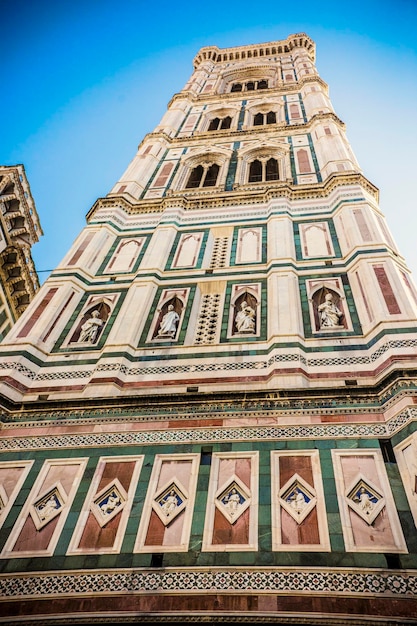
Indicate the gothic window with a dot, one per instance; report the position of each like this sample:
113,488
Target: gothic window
251,85
255,171
226,121
263,170
220,124
203,176
271,169
265,118
258,120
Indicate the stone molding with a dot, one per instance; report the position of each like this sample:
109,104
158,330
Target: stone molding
206,435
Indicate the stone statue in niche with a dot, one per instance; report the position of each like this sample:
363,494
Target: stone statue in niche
90,328
329,314
169,323
245,319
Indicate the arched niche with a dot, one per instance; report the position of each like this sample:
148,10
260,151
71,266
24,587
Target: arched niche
168,319
328,309
87,331
245,314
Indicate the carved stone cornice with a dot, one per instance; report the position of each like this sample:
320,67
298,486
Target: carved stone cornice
195,199
257,51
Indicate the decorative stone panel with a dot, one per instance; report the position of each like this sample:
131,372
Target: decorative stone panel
299,520
105,513
231,522
42,518
370,520
168,509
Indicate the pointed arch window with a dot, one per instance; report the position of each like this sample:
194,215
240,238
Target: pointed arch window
220,124
255,171
271,169
251,85
258,120
203,176
265,118
263,170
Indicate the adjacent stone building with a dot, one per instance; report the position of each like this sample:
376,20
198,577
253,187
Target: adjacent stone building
19,230
208,411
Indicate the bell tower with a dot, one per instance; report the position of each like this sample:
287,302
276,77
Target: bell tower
208,408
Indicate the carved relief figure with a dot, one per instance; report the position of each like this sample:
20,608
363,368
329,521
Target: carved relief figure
329,313
364,500
232,501
245,319
90,328
170,504
169,323
112,501
46,510
297,500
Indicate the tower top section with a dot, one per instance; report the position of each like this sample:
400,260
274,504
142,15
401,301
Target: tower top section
221,55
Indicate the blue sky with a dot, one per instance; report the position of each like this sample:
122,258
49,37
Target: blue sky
84,81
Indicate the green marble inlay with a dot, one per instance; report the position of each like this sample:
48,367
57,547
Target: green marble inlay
113,248
333,235
183,321
231,173
235,243
153,176
292,162
241,115
314,157
70,326
263,314
175,246
349,301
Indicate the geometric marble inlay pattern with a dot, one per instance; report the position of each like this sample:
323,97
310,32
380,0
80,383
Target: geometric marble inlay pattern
274,579
249,433
220,365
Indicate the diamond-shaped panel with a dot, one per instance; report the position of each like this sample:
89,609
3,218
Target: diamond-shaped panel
298,498
47,506
365,499
169,501
108,502
233,499
3,499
